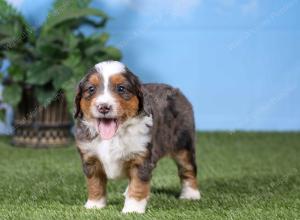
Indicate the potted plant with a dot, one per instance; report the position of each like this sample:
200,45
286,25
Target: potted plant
46,63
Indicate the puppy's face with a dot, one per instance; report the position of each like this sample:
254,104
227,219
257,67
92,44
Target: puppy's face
107,96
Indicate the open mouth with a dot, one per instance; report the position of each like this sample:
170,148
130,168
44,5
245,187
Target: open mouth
107,127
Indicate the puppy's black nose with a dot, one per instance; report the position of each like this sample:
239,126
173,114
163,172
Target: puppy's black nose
104,108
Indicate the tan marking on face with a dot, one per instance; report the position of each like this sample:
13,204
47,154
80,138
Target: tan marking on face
137,189
86,103
95,79
117,79
186,169
127,108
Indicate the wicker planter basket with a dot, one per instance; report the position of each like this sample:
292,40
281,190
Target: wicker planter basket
38,126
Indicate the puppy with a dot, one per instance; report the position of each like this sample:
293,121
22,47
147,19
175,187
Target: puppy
124,127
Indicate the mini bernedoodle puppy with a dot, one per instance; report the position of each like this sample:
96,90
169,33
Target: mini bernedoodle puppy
124,127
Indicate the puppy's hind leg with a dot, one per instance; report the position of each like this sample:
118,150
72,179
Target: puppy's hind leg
187,171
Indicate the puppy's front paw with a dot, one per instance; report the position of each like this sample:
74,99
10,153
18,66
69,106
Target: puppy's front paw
95,204
190,193
134,206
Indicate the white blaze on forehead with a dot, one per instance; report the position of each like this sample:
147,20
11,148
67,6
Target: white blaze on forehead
108,68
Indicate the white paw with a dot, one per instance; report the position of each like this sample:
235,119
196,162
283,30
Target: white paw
132,205
190,193
95,204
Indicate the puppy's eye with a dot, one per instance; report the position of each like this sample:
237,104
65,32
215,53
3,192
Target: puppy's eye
121,89
91,89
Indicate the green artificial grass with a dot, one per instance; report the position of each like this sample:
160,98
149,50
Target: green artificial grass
241,175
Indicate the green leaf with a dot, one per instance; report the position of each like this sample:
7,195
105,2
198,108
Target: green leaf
13,28
104,38
69,89
38,74
16,72
60,75
113,53
16,57
44,96
7,11
73,61
72,41
43,73
7,30
93,49
71,14
52,46
67,4
10,35
12,94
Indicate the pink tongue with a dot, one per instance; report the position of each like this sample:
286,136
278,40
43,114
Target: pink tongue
107,128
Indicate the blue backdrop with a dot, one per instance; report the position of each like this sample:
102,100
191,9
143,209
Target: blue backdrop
237,61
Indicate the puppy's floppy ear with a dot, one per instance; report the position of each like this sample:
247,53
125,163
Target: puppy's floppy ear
140,96
78,112
136,87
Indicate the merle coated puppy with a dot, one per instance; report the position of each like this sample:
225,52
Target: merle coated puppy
124,127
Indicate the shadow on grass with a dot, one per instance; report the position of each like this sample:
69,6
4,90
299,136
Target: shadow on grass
230,193
219,193
166,191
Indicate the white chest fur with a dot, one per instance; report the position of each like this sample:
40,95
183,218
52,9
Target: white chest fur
130,140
